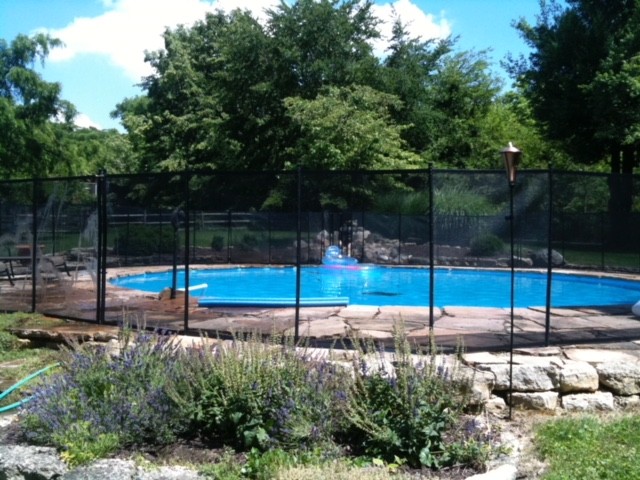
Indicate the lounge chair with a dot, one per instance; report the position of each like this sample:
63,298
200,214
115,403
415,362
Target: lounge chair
6,270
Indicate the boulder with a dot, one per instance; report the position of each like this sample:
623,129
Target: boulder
620,378
496,406
22,463
577,377
479,383
624,403
104,469
526,378
542,401
503,472
540,258
580,402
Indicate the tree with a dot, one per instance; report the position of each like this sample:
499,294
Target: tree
510,118
583,81
408,73
322,43
92,150
216,98
444,95
349,128
582,78
28,108
462,93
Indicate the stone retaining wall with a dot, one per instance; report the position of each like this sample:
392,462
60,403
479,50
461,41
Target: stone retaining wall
548,379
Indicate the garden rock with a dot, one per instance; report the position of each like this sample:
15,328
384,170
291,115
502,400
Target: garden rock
526,378
504,472
579,402
480,384
632,401
127,470
540,258
30,463
620,378
496,406
104,469
542,401
577,377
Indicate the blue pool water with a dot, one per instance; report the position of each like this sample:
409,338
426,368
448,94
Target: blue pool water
377,285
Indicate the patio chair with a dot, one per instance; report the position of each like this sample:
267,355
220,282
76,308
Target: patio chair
6,270
57,262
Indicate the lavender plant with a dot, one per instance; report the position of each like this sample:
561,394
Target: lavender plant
253,396
250,394
116,400
403,407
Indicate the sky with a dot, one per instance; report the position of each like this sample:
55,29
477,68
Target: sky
102,61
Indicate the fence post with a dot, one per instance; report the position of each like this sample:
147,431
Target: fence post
431,250
399,238
269,233
101,254
602,239
187,230
34,240
547,320
229,236
296,335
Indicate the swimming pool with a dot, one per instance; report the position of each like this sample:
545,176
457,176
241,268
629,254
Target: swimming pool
379,285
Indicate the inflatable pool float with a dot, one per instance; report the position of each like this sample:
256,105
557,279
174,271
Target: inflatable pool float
273,302
333,256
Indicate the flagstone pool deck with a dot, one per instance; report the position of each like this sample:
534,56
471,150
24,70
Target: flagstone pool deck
474,328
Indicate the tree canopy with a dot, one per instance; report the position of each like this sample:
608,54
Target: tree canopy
37,134
232,93
582,78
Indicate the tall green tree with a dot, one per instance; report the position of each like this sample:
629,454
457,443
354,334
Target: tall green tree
583,82
29,137
582,78
462,94
509,118
408,72
349,128
322,43
444,95
216,98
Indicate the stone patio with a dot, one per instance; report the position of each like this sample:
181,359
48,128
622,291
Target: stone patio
475,328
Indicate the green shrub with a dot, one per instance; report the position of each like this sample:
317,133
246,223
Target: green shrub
143,240
249,241
81,445
217,243
407,411
100,403
256,395
486,246
403,202
8,341
271,399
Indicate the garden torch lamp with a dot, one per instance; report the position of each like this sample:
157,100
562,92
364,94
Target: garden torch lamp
511,159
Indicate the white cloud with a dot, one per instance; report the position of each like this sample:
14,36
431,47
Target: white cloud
419,24
129,27
83,121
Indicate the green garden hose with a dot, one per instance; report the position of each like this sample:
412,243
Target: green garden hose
20,384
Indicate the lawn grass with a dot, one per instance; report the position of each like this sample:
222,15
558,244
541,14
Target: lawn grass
17,362
594,258
590,448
